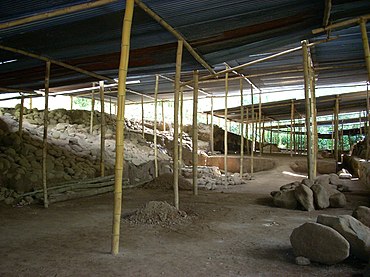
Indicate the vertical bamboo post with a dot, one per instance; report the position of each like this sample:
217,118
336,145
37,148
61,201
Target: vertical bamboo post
368,122
20,130
195,133
212,129
246,130
291,127
314,124
181,126
271,142
92,109
308,110
260,123
360,115
155,125
241,127
71,98
30,103
102,129
121,95
163,122
110,106
142,117
225,131
342,138
176,124
253,140
45,137
336,129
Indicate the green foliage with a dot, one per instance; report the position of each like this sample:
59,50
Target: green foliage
81,103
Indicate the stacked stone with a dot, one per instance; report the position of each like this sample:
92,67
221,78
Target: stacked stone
325,191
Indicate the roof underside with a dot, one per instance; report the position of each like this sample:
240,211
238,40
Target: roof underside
221,31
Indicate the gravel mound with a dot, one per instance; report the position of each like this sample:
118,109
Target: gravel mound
165,181
157,213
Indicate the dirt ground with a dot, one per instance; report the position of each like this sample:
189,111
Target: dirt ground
234,232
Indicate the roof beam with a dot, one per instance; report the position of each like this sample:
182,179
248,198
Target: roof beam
15,90
54,13
59,63
345,23
179,36
188,86
327,11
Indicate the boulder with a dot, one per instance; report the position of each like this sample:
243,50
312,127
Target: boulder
362,214
321,196
319,243
338,200
304,196
323,180
307,182
302,261
285,199
356,233
290,186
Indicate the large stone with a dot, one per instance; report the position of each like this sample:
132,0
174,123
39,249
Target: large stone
307,182
304,196
338,200
362,214
356,233
321,197
290,186
285,199
319,243
323,180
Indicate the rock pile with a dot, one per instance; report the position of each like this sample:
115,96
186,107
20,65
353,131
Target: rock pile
157,213
331,240
325,191
165,181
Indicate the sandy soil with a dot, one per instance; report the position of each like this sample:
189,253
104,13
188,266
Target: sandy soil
236,232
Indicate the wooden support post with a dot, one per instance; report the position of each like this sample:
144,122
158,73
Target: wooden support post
181,127
155,125
45,137
253,137
336,129
360,115
110,106
121,95
291,127
20,129
212,129
260,123
314,124
92,110
271,142
241,128
247,130
278,134
142,118
342,138
102,129
30,103
225,131
368,123
195,133
163,122
308,110
71,97
176,125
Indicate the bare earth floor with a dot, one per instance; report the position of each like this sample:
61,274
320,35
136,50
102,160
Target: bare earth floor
237,232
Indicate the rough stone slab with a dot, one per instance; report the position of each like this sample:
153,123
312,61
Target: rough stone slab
321,196
362,214
285,199
338,200
302,261
304,196
319,243
356,233
323,180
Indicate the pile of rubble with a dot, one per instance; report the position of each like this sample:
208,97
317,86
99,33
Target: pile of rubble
325,191
157,213
332,239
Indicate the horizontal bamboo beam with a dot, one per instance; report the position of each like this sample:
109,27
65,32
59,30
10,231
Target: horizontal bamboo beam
179,36
16,90
59,63
188,86
345,23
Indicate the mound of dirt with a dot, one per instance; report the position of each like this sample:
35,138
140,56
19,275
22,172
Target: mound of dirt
157,213
165,181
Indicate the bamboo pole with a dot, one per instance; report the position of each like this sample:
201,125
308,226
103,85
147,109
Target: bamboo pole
291,127
195,133
102,129
260,123
181,127
169,28
121,95
336,134
110,106
271,142
30,103
155,125
20,129
360,115
163,122
176,124
142,118
92,110
45,136
247,130
308,110
71,98
368,122
241,128
225,131
212,128
314,124
253,140
263,132
344,23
